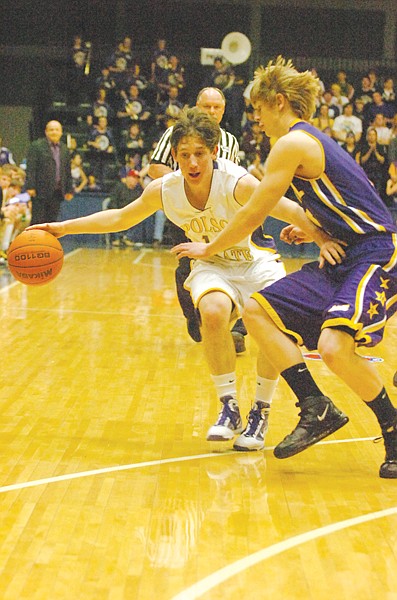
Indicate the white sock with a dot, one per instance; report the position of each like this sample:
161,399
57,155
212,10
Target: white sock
225,385
265,389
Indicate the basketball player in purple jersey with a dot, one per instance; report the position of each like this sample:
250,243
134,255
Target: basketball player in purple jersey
339,303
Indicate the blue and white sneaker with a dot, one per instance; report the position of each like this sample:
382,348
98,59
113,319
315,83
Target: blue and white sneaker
228,423
253,436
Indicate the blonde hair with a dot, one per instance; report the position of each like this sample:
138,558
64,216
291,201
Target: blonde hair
281,77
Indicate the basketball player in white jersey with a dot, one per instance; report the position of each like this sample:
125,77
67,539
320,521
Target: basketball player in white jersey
201,197
211,101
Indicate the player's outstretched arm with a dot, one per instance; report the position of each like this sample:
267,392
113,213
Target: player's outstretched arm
110,221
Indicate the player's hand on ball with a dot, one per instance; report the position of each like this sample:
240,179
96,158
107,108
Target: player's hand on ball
191,249
56,229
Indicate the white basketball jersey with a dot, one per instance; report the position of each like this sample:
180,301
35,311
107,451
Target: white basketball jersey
202,225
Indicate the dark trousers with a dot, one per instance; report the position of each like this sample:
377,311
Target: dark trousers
45,210
185,300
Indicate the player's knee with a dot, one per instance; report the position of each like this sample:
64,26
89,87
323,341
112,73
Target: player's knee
332,347
213,318
214,314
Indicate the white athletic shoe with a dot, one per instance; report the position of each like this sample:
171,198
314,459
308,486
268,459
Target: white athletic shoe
228,423
253,436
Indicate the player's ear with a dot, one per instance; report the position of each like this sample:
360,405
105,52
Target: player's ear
280,101
173,153
215,152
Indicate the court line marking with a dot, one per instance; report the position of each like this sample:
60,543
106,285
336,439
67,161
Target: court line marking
132,466
208,583
8,286
141,255
104,470
12,309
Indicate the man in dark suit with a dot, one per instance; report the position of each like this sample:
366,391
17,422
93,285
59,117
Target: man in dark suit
48,174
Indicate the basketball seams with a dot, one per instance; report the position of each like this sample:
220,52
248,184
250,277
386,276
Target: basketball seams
35,246
17,266
42,249
35,257
36,263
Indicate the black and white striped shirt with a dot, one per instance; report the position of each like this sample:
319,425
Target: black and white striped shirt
228,148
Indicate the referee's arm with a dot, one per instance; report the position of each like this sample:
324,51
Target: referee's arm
161,160
157,170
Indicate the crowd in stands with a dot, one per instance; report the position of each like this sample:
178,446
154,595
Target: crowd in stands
15,206
363,120
128,108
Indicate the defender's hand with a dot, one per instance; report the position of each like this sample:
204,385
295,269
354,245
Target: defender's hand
291,234
332,252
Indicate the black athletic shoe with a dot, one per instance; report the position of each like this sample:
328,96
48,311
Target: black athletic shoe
395,379
319,417
388,469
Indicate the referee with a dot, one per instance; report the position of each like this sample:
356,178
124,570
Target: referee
211,101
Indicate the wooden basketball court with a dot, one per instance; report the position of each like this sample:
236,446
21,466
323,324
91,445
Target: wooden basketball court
109,490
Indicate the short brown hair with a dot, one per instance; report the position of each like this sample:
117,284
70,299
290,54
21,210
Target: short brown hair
194,122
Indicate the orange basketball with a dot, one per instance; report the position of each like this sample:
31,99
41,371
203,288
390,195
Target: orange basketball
35,257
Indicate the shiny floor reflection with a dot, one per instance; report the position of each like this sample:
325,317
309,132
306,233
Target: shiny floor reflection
109,489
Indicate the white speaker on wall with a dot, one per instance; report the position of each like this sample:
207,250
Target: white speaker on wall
208,55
